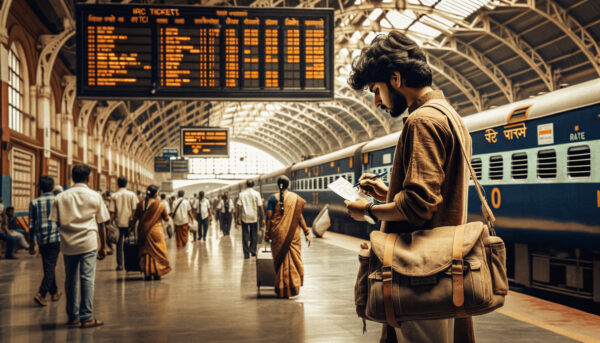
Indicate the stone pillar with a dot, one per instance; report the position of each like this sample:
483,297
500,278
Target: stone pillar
43,116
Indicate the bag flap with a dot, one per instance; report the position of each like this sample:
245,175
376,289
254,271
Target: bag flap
425,252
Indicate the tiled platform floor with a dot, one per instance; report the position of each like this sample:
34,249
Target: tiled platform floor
211,297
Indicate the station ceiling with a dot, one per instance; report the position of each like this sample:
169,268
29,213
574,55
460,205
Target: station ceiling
483,54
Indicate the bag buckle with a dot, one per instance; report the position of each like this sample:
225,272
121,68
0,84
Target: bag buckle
386,273
457,266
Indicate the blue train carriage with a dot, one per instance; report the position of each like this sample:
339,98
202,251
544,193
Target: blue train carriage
538,162
310,180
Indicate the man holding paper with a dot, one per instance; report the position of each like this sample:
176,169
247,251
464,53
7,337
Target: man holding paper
428,183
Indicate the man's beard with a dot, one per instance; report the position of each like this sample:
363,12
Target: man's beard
398,103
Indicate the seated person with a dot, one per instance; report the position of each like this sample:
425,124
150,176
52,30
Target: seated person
9,239
9,226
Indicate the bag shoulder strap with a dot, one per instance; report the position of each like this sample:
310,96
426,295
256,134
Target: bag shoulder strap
448,111
387,279
177,207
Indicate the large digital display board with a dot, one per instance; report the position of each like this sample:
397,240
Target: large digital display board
204,142
164,52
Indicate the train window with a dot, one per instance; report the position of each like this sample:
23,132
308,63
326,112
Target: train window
314,183
579,161
351,178
476,164
519,165
325,182
320,183
331,179
546,164
496,167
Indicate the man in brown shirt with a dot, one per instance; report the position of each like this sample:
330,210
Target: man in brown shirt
429,181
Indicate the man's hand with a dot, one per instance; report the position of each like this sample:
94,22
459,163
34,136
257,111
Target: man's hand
357,208
263,223
210,217
308,240
102,253
239,221
375,188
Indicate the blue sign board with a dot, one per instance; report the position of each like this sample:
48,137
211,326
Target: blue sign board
162,164
180,166
170,152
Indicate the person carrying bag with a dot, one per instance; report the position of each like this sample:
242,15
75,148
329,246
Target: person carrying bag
444,272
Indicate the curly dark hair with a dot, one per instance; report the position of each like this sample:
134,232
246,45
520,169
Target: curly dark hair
389,53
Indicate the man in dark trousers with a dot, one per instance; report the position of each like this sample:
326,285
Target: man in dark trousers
225,209
44,236
429,180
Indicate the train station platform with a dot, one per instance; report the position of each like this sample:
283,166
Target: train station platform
211,296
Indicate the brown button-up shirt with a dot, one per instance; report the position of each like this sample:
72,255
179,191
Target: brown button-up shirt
429,180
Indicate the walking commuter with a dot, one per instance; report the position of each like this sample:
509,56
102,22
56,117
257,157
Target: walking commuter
204,216
151,213
196,233
182,217
284,221
45,238
225,208
167,225
249,205
80,213
122,207
429,179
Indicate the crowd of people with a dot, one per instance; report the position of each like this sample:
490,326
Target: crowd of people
86,225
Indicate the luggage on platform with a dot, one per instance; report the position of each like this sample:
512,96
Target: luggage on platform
265,269
131,251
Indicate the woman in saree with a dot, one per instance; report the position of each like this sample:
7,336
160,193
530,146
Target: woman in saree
284,220
151,213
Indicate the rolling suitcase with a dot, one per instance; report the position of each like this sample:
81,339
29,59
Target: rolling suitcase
265,269
131,252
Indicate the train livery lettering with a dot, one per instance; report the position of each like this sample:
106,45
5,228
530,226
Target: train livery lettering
515,131
577,136
496,197
490,136
545,134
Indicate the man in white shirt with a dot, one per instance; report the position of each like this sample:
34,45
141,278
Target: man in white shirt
225,209
182,216
248,205
80,213
204,215
122,207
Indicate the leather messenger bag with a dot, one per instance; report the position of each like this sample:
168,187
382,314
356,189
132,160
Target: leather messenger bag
444,272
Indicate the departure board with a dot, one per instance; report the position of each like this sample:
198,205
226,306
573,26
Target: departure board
191,52
204,142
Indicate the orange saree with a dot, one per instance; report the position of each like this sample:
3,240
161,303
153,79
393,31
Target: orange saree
286,245
151,240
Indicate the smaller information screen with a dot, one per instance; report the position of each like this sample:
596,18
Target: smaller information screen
204,142
162,164
180,166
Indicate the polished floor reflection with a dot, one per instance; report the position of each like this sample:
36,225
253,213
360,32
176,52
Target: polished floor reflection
211,296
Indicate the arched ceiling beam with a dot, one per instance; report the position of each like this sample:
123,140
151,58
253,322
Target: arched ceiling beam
286,124
560,17
484,24
296,141
478,59
457,79
4,10
327,116
360,120
325,135
299,135
466,51
289,154
51,47
84,114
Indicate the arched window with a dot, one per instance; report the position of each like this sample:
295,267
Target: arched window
15,90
